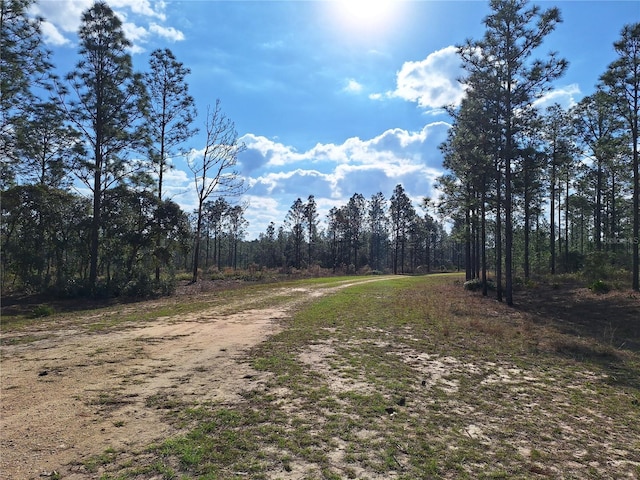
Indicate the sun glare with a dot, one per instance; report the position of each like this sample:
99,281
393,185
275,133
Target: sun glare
365,14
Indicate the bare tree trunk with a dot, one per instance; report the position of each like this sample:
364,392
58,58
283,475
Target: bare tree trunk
552,226
483,239
498,234
95,223
196,249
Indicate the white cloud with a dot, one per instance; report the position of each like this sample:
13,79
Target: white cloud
564,96
134,33
277,173
141,7
52,35
334,172
272,152
431,83
176,184
169,33
64,17
352,86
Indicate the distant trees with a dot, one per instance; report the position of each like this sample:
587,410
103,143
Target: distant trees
597,130
311,220
378,230
295,220
556,130
401,214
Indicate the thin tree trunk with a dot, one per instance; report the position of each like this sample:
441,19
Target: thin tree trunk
527,219
508,214
636,201
95,223
196,250
566,224
598,212
483,240
498,234
552,226
467,245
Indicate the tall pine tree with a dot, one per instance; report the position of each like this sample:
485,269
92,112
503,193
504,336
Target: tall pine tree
502,59
622,79
23,65
108,107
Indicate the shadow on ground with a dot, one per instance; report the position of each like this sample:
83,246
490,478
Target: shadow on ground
605,328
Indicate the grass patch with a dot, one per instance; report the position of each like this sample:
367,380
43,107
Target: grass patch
414,377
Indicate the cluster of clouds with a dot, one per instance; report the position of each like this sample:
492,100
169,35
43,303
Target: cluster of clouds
141,20
435,82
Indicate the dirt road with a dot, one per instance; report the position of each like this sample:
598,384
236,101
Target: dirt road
73,394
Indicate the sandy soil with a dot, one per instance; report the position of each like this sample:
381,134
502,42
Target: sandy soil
72,395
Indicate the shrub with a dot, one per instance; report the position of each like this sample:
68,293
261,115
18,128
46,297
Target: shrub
476,284
598,266
40,311
599,287
142,286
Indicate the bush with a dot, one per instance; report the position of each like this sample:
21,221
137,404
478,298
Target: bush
476,284
600,287
142,286
598,266
40,311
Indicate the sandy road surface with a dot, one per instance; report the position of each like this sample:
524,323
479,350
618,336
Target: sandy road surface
72,395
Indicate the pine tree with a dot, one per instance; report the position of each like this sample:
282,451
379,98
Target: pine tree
24,64
170,115
109,103
311,220
46,145
378,223
622,80
401,212
501,61
171,110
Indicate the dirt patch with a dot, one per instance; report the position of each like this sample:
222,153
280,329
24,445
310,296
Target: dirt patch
70,395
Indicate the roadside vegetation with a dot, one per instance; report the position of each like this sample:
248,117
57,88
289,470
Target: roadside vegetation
416,377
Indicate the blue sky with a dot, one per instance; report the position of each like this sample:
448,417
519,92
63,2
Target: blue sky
331,98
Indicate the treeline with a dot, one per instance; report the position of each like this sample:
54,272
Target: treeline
83,164
536,191
372,235
84,159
